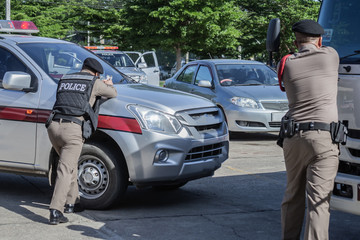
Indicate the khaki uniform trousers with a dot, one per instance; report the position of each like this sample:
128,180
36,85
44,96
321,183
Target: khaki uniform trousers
311,161
67,140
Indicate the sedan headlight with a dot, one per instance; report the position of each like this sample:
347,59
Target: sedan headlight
245,102
154,120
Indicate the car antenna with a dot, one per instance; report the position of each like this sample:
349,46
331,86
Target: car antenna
210,55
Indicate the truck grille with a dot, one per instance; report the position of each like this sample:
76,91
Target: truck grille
349,168
203,123
275,105
208,127
354,152
352,133
204,152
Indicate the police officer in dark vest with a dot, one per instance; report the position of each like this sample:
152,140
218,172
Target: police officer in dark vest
70,123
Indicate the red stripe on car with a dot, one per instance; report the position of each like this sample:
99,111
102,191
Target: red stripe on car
40,116
119,123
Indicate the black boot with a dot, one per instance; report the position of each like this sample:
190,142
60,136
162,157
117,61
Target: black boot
71,208
57,217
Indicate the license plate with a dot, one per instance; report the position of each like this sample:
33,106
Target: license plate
276,116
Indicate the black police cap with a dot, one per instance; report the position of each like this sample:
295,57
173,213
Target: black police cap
94,65
308,27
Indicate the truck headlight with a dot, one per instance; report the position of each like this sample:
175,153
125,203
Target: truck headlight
245,102
155,120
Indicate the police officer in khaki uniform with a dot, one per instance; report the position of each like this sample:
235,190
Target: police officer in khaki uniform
76,94
310,79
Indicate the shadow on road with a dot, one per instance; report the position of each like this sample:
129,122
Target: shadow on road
228,207
235,136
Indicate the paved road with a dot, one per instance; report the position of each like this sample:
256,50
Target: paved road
241,201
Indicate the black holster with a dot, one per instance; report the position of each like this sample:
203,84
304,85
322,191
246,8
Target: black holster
87,129
338,132
287,129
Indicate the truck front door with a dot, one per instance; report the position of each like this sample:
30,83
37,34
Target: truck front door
152,69
18,115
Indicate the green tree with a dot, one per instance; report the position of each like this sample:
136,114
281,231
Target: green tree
68,19
197,26
260,12
53,20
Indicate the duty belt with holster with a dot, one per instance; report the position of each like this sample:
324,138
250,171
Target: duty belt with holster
289,128
66,118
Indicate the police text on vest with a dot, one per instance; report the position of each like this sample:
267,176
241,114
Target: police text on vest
73,86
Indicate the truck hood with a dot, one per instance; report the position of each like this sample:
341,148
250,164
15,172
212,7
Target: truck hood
159,98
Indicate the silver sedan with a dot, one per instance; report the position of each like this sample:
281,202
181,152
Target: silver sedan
246,91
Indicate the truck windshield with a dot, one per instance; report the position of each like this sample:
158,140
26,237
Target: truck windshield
57,59
341,20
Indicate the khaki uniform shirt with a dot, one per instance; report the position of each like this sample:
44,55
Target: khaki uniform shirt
100,89
310,78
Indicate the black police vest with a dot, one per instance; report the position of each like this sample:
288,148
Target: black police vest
73,95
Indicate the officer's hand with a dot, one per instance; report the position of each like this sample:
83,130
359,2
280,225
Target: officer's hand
108,81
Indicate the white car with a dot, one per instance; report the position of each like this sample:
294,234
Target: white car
121,61
148,62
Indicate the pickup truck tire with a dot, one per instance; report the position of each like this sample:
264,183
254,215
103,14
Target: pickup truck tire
102,178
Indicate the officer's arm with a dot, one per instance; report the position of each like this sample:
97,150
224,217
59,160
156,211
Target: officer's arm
104,90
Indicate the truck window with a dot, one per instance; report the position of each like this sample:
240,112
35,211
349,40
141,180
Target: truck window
57,59
9,62
340,21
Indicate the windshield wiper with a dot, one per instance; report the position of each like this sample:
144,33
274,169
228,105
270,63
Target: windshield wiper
356,52
248,84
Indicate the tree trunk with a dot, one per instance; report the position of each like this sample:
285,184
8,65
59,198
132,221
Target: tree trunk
178,57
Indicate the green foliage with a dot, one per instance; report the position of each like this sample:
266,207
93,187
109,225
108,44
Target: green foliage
203,27
198,26
260,12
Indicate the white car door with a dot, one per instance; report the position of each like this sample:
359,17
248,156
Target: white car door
152,69
18,114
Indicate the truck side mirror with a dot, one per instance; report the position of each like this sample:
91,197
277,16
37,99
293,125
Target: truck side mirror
14,80
273,38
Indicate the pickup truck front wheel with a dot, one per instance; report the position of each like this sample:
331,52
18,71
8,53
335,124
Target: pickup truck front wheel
102,179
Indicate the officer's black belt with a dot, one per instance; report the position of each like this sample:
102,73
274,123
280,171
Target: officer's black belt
66,118
307,126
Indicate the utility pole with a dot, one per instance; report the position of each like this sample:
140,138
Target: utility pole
88,34
7,9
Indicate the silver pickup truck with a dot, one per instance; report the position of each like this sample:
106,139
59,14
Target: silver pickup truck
147,136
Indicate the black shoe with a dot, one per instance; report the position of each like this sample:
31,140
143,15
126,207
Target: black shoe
71,208
57,217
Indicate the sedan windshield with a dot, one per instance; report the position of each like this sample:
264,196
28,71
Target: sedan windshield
246,74
57,59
